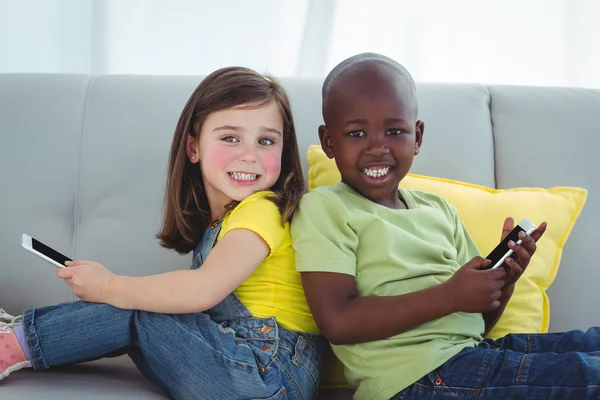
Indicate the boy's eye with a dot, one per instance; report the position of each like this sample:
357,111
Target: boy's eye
395,132
356,133
230,139
265,142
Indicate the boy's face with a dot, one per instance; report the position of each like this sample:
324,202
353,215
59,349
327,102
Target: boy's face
371,131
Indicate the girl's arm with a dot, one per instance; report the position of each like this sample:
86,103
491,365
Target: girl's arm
229,263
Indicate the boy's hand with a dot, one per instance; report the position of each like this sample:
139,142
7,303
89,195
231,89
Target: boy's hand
522,253
476,291
89,280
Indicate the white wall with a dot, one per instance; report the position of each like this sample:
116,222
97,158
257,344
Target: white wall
196,37
530,42
45,36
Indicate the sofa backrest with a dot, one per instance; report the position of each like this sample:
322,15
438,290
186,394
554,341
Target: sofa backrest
84,163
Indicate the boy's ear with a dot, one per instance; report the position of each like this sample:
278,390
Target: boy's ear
191,149
325,141
419,131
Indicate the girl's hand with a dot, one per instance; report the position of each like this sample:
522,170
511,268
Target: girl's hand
476,291
89,280
522,253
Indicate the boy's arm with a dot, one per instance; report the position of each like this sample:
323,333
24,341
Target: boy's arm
346,318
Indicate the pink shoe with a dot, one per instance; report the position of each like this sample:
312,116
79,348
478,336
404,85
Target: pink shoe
12,357
7,318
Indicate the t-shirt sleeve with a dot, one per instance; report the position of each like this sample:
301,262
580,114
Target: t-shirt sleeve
261,216
322,237
465,245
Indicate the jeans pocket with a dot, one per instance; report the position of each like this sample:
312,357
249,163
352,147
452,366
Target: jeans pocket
466,371
279,394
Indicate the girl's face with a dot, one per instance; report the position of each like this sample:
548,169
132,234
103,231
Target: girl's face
239,150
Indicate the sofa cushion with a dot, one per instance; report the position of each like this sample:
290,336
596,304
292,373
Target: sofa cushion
115,378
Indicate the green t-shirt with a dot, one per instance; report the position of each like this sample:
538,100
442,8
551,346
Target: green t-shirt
389,252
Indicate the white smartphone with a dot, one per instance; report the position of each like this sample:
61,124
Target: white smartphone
45,252
499,254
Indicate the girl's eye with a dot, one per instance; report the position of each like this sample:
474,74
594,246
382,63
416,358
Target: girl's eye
230,139
356,133
395,132
265,142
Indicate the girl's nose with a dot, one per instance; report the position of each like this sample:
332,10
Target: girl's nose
248,154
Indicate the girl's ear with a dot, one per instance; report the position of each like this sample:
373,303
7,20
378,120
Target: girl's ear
191,149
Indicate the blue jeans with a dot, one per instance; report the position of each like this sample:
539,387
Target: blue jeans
224,353
541,366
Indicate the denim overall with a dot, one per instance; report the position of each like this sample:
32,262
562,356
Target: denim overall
223,353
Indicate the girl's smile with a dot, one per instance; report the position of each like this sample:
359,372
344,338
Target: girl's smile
244,178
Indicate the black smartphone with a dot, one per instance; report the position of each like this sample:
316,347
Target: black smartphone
499,254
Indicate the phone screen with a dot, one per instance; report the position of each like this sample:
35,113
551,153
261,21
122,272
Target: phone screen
49,252
502,248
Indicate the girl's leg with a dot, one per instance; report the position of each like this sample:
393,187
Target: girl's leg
206,360
75,332
547,366
188,355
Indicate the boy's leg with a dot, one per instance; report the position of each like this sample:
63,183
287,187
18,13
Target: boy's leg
187,354
566,342
548,366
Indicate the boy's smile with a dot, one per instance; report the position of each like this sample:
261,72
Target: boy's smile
371,130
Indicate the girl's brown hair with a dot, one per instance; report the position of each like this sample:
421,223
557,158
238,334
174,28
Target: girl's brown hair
186,210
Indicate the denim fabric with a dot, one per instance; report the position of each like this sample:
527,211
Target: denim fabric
224,353
533,367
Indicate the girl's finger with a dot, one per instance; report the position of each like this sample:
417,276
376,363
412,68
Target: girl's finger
65,273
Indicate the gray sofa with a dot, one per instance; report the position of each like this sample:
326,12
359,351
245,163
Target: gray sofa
83,162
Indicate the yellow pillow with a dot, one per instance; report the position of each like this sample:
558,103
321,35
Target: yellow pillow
483,211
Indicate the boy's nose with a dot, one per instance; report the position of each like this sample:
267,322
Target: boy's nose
377,148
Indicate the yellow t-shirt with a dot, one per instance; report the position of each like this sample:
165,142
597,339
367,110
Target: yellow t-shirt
275,287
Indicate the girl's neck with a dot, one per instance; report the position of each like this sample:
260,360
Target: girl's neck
217,211
219,207
217,201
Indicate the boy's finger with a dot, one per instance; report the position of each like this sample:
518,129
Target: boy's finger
522,254
497,273
537,234
515,268
499,283
476,263
509,225
527,243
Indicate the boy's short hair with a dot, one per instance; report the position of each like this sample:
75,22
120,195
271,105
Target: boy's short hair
367,58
